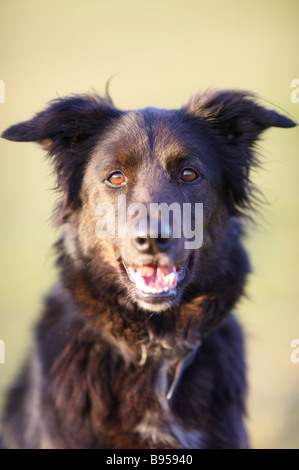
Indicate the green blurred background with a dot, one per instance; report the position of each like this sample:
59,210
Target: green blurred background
162,51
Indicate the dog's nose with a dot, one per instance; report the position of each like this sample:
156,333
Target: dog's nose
160,241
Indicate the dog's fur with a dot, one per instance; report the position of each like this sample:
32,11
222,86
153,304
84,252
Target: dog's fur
105,358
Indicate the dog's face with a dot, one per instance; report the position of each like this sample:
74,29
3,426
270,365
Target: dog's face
153,158
149,196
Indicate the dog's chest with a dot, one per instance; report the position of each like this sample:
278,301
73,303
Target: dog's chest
162,427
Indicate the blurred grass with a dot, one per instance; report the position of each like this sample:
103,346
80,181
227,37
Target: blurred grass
162,52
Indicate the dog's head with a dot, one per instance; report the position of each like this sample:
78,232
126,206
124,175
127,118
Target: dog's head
149,196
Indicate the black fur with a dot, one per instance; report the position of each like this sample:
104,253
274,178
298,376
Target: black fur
105,357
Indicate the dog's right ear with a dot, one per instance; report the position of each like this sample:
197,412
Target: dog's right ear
64,122
68,129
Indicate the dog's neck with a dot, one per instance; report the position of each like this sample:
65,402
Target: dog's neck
178,356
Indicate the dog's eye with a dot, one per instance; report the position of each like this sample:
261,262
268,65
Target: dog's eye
188,175
117,178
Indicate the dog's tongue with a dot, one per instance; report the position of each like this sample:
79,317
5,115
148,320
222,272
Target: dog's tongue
152,279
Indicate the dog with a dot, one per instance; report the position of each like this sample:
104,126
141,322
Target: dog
138,347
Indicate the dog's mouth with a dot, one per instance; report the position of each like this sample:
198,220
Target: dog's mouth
155,283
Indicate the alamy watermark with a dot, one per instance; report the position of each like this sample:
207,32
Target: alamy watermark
295,353
295,93
152,220
2,352
2,92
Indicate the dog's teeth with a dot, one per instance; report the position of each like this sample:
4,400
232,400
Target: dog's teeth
152,280
153,290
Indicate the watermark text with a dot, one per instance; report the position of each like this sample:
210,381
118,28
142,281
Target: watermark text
152,220
2,92
295,353
295,93
2,352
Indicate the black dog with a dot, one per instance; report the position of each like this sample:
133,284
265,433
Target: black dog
137,347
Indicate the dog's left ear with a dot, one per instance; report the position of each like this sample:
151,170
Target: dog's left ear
235,115
235,121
